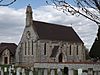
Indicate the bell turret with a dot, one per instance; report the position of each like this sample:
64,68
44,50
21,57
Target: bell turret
29,18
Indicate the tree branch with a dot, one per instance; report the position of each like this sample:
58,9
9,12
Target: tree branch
7,3
66,7
1,1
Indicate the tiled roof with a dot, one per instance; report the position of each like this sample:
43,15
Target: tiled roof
48,31
11,46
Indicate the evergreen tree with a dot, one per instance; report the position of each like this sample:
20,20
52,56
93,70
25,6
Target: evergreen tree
95,49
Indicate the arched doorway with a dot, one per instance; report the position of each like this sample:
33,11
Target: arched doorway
60,58
5,60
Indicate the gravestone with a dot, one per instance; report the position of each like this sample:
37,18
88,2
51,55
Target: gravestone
23,71
90,71
9,69
59,72
18,71
30,73
70,72
52,72
45,72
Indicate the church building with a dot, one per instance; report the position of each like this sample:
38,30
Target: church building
47,42
7,53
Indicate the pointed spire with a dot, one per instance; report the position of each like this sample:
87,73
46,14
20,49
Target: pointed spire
29,18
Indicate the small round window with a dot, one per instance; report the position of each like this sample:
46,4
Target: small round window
28,34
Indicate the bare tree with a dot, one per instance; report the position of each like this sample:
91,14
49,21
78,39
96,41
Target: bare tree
82,8
95,4
6,2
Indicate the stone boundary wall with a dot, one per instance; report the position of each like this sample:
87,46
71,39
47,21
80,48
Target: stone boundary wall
75,65
52,69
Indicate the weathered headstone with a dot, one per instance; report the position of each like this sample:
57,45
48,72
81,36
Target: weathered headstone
79,71
45,72
5,71
23,71
2,73
90,71
9,69
39,71
52,72
95,72
18,71
70,72
59,72
30,73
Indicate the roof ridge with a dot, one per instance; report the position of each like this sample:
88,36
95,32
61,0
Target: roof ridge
62,25
50,31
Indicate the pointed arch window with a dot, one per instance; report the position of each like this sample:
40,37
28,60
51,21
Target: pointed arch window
28,47
60,58
70,50
25,48
32,47
45,49
77,50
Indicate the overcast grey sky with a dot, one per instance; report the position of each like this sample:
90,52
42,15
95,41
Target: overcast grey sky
12,23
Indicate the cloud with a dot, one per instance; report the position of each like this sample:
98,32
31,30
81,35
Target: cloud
85,28
12,23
